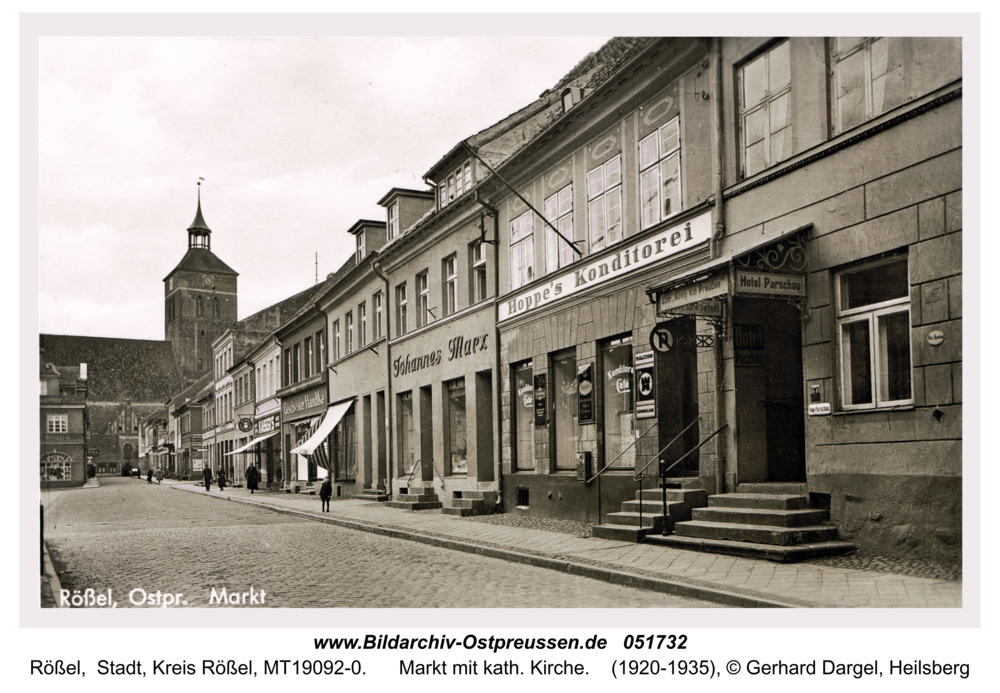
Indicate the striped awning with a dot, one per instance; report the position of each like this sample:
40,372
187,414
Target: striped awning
252,443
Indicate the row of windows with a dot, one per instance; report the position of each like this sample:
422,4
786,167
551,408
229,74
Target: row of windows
223,361
305,359
265,372
348,345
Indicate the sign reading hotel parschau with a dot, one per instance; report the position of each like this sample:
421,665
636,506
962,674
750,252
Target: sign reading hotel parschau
762,283
632,256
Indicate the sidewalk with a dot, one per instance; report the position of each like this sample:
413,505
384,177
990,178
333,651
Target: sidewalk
722,579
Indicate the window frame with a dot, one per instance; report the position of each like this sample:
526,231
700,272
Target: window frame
524,246
335,344
57,423
449,270
872,315
603,196
349,332
361,247
657,165
477,270
559,203
393,219
837,57
377,303
401,309
770,96
362,325
423,283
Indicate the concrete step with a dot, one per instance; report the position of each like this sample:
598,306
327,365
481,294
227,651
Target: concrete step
758,500
689,482
758,534
761,516
417,497
371,494
488,496
468,512
695,497
412,505
629,533
674,509
787,488
771,552
636,520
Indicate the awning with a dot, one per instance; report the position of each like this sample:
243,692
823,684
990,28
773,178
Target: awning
252,443
330,420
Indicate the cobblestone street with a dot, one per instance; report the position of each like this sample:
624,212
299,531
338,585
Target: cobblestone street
128,534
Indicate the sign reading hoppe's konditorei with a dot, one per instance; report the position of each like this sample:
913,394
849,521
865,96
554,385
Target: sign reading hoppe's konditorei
653,249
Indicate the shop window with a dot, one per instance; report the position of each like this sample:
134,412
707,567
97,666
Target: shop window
407,439
522,250
604,203
401,310
477,282
57,423
565,409
867,78
345,443
619,411
522,407
765,109
873,318
450,272
56,466
559,212
457,446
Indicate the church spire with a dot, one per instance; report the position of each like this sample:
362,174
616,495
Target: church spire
199,235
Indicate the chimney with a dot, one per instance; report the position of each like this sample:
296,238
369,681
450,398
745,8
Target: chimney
81,382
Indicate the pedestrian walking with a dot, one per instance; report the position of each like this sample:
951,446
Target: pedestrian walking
222,480
207,476
325,491
149,475
252,475
159,476
277,479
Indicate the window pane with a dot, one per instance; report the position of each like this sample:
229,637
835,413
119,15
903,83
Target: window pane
552,208
874,285
857,363
851,90
755,126
566,253
894,357
779,70
648,152
756,160
595,182
670,178
614,203
523,405
753,83
613,172
564,394
669,138
779,115
845,42
619,421
597,237
566,200
552,242
456,427
781,145
649,192
407,454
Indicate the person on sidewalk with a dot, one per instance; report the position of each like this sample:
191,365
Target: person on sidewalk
252,478
207,476
149,475
222,479
325,491
159,476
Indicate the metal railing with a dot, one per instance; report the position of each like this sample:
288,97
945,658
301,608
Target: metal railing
664,469
608,465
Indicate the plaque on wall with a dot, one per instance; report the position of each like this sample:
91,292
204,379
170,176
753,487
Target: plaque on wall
541,401
585,389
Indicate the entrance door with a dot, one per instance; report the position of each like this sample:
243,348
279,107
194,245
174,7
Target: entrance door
677,396
767,345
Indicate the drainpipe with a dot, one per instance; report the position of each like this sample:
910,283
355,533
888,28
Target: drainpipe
717,235
498,470
388,384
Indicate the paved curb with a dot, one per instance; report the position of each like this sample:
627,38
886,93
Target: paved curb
50,578
688,587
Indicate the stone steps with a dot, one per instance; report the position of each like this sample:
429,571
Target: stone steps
632,525
415,501
760,516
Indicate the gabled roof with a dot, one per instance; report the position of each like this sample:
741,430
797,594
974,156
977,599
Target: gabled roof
201,260
117,369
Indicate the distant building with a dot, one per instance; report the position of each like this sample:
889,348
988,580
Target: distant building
63,424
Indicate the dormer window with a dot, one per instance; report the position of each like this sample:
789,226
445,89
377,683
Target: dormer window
361,246
567,99
393,220
457,183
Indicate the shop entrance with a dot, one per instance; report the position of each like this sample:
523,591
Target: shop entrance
770,426
677,395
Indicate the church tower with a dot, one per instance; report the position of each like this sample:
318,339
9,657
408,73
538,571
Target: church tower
200,301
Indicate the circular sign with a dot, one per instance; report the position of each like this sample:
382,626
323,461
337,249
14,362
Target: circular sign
661,339
645,383
935,338
245,425
586,387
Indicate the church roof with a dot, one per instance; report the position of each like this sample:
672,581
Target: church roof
201,260
139,370
199,221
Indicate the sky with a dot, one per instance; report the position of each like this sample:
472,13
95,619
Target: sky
295,138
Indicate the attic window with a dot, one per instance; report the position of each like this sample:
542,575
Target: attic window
393,220
567,99
361,246
457,183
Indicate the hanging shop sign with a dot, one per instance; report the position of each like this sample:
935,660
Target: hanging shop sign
631,257
692,299
268,424
302,402
541,413
645,385
585,393
768,284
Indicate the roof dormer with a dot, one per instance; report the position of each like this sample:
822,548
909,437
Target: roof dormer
369,235
404,208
